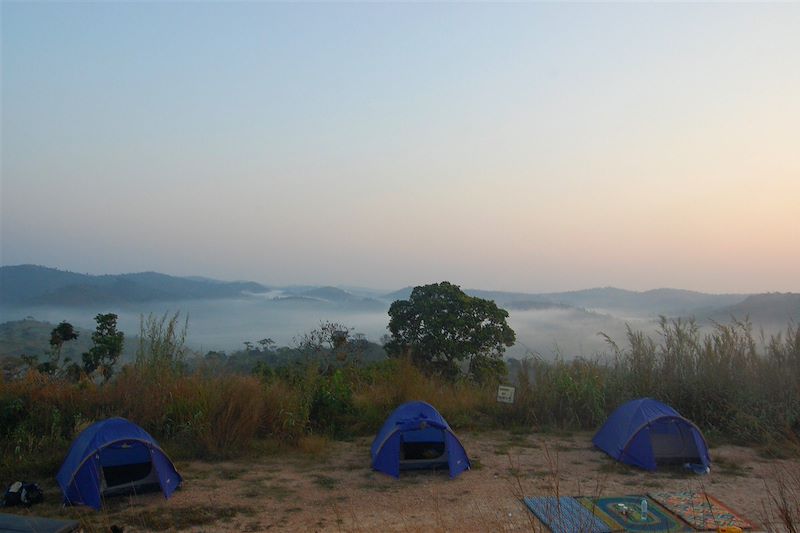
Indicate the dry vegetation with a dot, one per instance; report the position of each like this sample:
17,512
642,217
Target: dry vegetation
734,393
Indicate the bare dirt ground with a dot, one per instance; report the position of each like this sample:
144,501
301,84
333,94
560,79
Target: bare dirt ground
337,490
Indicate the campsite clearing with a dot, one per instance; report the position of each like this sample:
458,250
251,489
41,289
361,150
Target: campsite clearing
336,490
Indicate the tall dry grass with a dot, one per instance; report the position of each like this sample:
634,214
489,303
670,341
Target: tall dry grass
210,416
399,381
781,504
721,380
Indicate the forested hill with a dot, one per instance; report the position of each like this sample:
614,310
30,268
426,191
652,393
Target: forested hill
32,337
38,285
773,307
620,302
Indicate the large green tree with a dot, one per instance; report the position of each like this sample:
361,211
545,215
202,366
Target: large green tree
107,346
440,326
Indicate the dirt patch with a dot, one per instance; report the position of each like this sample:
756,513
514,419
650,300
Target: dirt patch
338,491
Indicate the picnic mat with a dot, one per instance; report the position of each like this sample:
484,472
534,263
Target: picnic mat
629,518
700,510
565,515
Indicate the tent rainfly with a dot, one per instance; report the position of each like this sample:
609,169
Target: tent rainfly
114,456
416,436
647,433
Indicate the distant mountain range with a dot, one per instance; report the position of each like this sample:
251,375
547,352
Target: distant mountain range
31,285
38,285
671,302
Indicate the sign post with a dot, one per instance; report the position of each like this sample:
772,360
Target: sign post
505,394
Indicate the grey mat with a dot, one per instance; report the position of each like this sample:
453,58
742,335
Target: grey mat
17,523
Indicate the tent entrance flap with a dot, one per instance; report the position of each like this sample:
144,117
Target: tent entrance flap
422,448
126,474
127,467
673,443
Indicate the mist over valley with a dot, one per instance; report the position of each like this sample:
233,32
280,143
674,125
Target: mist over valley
224,315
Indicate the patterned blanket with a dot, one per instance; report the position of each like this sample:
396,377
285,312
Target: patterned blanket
623,513
700,510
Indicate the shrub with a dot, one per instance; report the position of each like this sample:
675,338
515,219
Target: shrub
332,409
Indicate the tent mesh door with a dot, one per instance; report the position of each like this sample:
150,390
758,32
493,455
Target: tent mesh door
673,443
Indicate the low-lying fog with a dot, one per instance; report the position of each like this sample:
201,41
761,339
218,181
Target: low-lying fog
226,324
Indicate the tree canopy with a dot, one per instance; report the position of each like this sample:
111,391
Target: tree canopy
62,333
107,346
440,326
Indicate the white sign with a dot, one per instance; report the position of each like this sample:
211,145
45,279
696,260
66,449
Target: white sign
505,394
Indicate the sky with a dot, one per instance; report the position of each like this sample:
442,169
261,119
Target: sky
531,147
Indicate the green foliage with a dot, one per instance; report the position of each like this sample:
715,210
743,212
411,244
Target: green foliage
11,414
568,394
332,406
62,333
288,398
440,326
263,371
487,369
330,345
107,347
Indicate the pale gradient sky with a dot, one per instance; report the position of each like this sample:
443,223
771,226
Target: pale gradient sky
528,147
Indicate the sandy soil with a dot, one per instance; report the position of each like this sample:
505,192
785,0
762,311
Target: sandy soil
339,492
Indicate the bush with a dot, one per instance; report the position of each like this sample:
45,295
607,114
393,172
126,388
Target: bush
332,405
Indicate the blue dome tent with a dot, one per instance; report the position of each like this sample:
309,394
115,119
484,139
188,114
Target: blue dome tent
114,456
416,436
647,433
